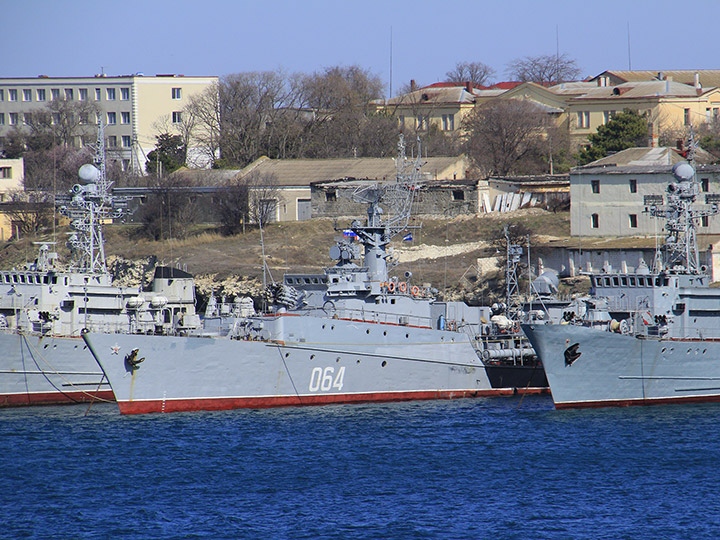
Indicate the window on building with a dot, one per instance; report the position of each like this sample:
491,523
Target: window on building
704,221
98,94
705,184
112,141
448,122
27,94
2,95
421,123
401,121
13,117
40,94
82,94
125,94
331,195
27,119
111,118
633,221
12,95
84,118
633,185
686,117
5,172
124,117
126,141
55,118
69,94
594,221
2,119
110,94
176,117
458,195
125,164
55,94
583,119
595,185
716,114
607,116
177,93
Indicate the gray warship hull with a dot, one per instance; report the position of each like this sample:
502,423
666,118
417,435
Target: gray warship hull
604,369
336,361
39,370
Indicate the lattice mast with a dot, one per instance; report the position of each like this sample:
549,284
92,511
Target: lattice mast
88,205
680,250
398,197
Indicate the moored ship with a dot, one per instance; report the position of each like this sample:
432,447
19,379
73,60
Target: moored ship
643,337
44,307
350,334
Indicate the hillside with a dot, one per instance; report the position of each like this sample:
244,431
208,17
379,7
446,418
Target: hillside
444,253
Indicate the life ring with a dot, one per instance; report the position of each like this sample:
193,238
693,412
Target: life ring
402,287
391,286
415,290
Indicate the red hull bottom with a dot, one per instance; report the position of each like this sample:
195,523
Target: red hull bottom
638,402
54,398
218,404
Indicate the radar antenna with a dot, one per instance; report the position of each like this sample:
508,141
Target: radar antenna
88,205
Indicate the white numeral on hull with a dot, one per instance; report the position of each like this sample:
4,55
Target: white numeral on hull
326,379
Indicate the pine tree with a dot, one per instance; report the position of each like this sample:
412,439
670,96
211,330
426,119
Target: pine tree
625,130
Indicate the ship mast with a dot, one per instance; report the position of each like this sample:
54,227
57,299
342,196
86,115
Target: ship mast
88,205
398,197
680,248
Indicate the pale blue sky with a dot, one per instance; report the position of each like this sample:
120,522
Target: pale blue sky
218,37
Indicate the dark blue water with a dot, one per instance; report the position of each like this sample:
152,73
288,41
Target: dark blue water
490,468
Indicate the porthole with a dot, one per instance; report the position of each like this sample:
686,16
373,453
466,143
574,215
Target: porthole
384,363
367,331
312,357
407,336
287,354
384,332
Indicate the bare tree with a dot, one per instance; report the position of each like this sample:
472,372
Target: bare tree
66,123
29,212
506,136
233,206
544,69
169,210
474,72
263,197
203,113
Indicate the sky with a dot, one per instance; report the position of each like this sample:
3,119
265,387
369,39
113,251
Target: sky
424,39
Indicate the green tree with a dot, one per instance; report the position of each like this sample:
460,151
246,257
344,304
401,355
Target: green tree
626,130
170,153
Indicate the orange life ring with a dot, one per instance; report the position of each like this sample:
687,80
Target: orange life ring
402,287
391,286
415,290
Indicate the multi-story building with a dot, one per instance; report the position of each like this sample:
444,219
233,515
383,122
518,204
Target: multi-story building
134,108
608,195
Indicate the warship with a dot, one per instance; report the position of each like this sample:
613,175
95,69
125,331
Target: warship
352,333
647,336
44,307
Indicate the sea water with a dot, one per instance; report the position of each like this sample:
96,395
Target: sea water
485,468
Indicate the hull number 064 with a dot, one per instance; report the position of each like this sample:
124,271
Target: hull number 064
326,379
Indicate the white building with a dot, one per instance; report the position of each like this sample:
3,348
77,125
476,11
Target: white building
607,196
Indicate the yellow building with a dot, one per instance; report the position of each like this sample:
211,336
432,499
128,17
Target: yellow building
134,108
671,107
11,179
443,105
